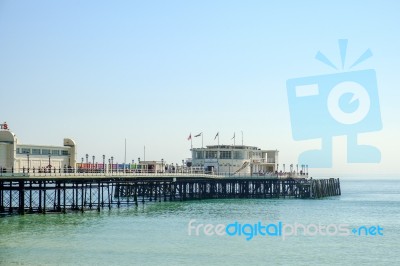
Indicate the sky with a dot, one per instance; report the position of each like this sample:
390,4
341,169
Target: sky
153,72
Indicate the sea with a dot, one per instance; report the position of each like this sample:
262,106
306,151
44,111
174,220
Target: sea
360,227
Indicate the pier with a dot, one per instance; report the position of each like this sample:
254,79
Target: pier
48,178
22,193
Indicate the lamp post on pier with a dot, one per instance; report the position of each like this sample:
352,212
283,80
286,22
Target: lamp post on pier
112,164
93,157
49,162
27,156
104,163
69,163
87,163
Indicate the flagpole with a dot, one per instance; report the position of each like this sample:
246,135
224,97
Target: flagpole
125,155
233,147
191,140
231,164
198,135
218,155
204,159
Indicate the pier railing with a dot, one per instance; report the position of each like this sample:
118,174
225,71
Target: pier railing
73,172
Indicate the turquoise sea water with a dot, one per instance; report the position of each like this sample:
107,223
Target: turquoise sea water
158,233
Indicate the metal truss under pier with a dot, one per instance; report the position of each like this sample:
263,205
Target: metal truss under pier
61,194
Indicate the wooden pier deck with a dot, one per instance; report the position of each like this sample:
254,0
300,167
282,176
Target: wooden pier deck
51,192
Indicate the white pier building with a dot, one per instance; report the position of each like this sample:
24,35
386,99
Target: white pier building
18,157
235,159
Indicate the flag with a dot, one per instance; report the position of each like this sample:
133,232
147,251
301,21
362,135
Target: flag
190,136
216,135
233,135
198,135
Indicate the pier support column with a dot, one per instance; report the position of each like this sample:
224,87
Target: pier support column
2,196
64,197
21,191
58,190
83,192
135,192
44,197
98,196
30,197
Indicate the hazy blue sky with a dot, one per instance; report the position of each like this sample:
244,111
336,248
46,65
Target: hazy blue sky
155,71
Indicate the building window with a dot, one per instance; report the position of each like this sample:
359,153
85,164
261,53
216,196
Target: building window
45,151
238,155
199,155
55,152
25,151
64,152
35,151
225,155
18,150
211,154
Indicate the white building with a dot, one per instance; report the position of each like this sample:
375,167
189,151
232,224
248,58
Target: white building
19,157
239,159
